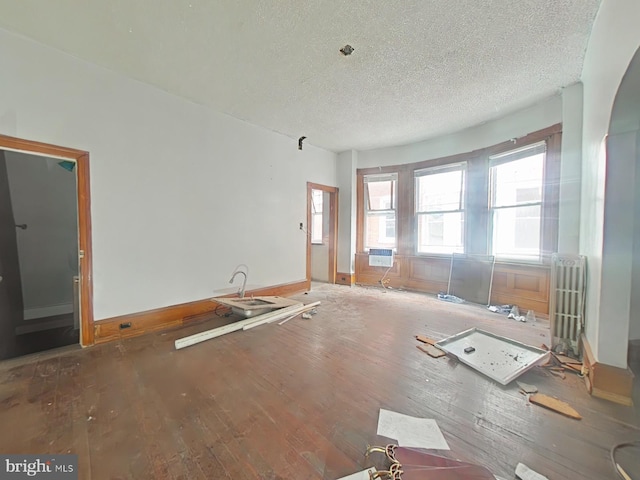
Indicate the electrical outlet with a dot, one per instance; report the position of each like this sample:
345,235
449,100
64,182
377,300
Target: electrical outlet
301,226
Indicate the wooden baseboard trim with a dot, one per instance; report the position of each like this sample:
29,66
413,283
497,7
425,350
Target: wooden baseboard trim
135,324
605,381
345,278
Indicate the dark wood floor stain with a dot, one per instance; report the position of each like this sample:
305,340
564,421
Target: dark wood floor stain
301,400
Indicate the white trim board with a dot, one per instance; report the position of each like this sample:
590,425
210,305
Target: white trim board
48,311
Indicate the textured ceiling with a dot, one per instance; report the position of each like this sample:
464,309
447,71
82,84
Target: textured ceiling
421,68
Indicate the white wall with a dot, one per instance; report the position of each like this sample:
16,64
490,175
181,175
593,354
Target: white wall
180,194
615,37
634,320
617,251
43,196
570,170
541,115
346,166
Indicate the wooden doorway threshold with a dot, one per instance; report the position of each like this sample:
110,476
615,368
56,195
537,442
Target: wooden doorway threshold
84,220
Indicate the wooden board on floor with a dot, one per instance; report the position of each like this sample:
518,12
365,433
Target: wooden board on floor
423,339
431,350
554,404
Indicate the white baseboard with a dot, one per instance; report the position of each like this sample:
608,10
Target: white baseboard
49,311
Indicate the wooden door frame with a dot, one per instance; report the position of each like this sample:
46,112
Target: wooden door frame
84,221
333,228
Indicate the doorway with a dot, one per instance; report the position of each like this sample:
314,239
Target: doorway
45,248
322,231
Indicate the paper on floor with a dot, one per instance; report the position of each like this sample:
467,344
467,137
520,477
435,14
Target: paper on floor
525,473
364,475
411,431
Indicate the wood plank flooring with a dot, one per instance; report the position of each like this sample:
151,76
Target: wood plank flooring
301,400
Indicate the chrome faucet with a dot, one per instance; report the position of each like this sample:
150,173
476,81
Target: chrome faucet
244,282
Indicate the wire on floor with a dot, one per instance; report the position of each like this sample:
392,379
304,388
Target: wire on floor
382,280
612,453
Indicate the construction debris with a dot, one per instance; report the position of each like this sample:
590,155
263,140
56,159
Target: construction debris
559,363
246,324
554,404
526,388
499,358
364,475
504,309
431,350
525,473
423,339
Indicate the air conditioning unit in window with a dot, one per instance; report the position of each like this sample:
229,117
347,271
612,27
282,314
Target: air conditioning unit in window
380,257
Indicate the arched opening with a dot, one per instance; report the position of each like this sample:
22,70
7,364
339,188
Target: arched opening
623,173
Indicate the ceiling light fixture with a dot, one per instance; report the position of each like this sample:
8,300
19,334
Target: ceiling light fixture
347,50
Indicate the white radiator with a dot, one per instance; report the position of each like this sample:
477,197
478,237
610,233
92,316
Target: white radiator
567,297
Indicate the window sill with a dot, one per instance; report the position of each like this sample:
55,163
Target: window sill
540,262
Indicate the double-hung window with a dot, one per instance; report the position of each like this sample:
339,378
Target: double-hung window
517,179
380,197
439,206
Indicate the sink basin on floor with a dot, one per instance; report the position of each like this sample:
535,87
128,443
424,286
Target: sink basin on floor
252,302
253,306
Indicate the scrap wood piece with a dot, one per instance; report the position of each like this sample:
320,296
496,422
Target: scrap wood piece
423,339
565,359
554,404
577,368
526,388
431,350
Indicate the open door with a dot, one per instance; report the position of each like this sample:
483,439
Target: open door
328,219
85,280
11,309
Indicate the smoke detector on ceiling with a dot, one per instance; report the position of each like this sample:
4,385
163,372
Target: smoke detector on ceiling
346,50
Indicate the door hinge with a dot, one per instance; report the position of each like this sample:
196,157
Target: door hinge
81,254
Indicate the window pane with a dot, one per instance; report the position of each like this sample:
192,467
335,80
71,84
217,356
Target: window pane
441,233
380,195
316,228
317,197
518,182
380,230
516,231
440,191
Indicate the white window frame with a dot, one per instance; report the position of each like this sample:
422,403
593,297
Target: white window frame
393,206
501,159
461,166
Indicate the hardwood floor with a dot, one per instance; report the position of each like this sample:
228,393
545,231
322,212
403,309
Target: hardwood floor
301,400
